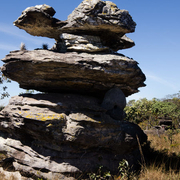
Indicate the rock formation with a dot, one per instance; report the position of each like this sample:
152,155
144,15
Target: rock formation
76,124
96,24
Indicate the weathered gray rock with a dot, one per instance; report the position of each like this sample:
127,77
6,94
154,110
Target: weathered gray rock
80,127
48,71
38,21
125,43
41,8
90,18
65,133
156,130
6,175
90,43
101,16
27,162
83,43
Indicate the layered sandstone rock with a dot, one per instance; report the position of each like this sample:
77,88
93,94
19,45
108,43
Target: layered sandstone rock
76,125
48,71
99,20
67,133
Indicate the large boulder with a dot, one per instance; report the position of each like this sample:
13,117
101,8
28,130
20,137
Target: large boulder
65,133
48,71
101,16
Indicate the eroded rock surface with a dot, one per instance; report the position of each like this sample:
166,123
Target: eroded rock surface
48,71
11,175
101,19
38,21
91,43
101,15
77,125
66,133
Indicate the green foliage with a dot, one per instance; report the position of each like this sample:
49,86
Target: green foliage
138,111
3,89
147,112
45,46
99,175
124,172
23,47
163,108
124,169
27,92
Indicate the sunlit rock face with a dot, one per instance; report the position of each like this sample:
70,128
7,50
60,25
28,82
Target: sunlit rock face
77,123
67,133
101,21
101,15
84,73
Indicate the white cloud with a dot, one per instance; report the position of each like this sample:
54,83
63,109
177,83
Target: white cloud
161,81
11,30
14,31
134,96
7,47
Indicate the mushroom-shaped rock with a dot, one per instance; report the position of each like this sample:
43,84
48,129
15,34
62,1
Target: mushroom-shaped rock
77,125
100,19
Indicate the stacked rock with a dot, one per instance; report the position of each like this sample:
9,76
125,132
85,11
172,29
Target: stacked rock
77,124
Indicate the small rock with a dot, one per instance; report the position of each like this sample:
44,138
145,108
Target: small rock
114,102
46,8
6,175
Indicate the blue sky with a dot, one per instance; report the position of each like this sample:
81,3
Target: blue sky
157,39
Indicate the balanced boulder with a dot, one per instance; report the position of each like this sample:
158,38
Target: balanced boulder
94,18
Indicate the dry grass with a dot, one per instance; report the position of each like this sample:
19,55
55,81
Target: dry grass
154,173
162,158
163,143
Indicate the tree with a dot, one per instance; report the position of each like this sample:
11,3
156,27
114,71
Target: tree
148,112
3,89
139,111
